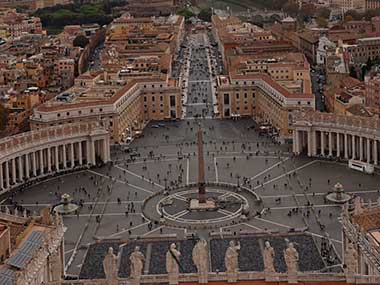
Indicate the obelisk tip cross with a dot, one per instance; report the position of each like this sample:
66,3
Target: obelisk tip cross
201,169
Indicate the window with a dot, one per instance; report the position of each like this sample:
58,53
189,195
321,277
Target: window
58,115
101,110
91,111
153,98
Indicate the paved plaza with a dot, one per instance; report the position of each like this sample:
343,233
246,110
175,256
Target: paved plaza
124,200
292,189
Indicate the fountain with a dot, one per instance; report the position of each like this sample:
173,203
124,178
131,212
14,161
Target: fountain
338,196
66,206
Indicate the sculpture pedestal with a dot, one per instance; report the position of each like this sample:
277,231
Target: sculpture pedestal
134,281
209,205
202,278
292,278
271,276
173,278
232,277
112,282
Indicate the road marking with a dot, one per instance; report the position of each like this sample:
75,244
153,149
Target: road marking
120,181
285,174
139,176
270,168
216,171
288,227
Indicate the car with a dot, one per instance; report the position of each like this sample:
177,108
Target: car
161,124
155,126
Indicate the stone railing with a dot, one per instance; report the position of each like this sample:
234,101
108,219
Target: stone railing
302,277
25,140
369,126
361,239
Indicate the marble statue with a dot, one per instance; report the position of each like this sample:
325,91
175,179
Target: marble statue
7,211
111,264
351,259
172,264
291,258
231,259
268,256
24,213
137,265
358,205
200,259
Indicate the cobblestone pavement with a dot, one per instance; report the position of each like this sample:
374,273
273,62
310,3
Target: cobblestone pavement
113,194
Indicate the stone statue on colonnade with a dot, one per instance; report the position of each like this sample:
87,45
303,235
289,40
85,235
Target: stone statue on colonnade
231,261
172,264
137,265
200,259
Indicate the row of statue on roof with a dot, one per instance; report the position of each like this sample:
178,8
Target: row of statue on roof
200,256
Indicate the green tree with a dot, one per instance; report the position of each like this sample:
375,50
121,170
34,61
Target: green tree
321,22
80,41
186,13
354,14
323,12
353,72
205,15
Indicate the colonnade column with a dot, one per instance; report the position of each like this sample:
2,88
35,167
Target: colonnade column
353,147
368,150
64,156
338,144
56,158
7,182
330,144
42,161
322,143
27,170
34,164
49,159
375,152
313,141
20,169
106,147
72,155
14,171
361,148
345,146
295,142
80,153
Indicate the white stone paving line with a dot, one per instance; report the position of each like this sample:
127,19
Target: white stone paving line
288,227
285,174
122,182
139,176
269,168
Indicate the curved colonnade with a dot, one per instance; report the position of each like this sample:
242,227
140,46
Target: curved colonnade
330,135
35,154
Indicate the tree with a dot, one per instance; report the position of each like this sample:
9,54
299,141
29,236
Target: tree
205,15
321,22
80,41
354,14
323,12
353,72
186,13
